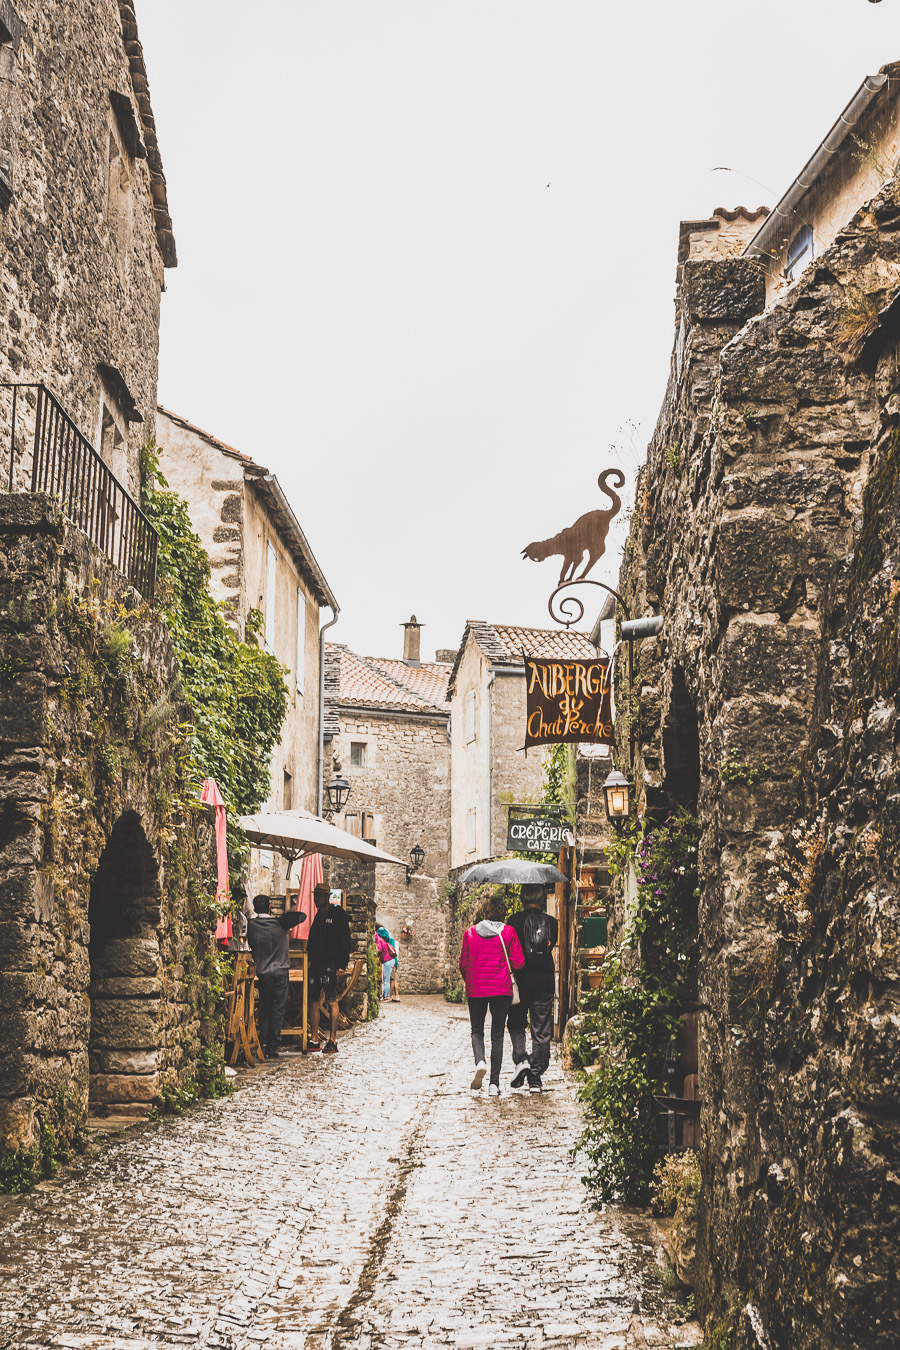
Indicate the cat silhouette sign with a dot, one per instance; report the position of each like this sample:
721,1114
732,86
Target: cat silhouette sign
583,544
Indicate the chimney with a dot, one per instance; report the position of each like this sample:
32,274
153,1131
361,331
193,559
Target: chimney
412,632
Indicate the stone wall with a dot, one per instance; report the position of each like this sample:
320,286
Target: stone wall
82,266
405,786
766,532
105,953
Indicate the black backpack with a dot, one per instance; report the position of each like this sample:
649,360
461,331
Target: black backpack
535,934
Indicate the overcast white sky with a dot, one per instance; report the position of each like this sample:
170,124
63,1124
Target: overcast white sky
380,298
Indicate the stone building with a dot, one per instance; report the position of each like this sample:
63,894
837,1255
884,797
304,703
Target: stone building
389,729
104,951
261,561
84,225
490,768
767,533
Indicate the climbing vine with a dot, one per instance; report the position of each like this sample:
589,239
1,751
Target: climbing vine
633,1017
235,690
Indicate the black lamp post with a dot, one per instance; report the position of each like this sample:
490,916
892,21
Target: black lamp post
338,790
617,797
416,858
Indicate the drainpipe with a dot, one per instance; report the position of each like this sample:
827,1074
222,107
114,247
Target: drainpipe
320,777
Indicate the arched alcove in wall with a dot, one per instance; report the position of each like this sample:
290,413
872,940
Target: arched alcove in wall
124,918
681,747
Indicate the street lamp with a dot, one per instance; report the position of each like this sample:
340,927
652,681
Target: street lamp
416,858
617,797
338,790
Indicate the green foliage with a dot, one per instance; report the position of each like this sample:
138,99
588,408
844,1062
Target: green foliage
673,458
633,1017
61,1135
374,985
174,1101
559,779
236,691
675,1178
735,771
212,1081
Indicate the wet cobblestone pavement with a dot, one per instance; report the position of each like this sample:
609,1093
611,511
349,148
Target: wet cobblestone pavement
366,1200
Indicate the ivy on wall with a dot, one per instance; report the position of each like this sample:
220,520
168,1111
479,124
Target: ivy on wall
632,1019
236,691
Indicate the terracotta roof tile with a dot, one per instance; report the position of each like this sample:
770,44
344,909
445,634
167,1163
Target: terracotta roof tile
382,683
503,644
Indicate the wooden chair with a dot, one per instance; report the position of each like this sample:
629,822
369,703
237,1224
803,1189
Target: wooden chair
240,1026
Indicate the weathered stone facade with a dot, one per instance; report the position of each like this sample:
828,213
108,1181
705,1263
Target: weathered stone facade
397,717
103,864
85,232
766,532
262,561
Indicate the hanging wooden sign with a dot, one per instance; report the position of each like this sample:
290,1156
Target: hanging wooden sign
536,832
568,701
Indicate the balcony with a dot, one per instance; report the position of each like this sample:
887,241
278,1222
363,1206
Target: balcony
66,466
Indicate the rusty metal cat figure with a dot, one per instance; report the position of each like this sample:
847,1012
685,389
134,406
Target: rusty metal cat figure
587,535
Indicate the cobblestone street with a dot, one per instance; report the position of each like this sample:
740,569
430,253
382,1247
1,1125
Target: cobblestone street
367,1200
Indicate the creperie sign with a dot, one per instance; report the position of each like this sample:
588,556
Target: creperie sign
568,701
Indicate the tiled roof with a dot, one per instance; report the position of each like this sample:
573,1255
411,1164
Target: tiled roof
429,680
745,213
377,682
503,644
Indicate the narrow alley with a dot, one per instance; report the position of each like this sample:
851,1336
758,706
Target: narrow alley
365,1200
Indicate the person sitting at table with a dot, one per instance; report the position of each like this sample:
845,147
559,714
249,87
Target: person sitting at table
328,951
270,945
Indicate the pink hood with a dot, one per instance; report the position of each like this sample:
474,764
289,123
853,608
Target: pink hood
482,962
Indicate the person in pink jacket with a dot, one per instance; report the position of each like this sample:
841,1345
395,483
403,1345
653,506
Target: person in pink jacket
485,967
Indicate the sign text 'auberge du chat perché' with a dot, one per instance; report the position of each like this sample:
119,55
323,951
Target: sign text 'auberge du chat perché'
568,701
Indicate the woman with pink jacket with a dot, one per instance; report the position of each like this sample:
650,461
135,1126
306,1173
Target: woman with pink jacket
490,950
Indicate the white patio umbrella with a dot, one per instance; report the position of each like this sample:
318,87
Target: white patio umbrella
293,834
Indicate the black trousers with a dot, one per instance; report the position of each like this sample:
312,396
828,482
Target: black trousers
540,1011
499,1005
273,991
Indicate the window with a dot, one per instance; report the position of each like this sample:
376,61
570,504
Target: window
470,831
358,754
301,640
471,729
800,253
271,566
287,795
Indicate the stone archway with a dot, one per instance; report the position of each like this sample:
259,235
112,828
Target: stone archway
124,917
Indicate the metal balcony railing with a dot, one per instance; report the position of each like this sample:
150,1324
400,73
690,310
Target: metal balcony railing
66,465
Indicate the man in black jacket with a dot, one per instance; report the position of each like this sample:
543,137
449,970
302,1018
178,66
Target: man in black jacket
328,949
538,932
270,945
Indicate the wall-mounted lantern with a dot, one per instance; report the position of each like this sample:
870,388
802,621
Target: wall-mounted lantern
617,797
416,859
337,790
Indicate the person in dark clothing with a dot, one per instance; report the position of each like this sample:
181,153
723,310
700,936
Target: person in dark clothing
328,949
270,945
538,933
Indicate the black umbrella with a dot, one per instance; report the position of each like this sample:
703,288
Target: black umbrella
514,872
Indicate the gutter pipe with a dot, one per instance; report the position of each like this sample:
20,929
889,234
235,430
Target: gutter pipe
320,776
779,220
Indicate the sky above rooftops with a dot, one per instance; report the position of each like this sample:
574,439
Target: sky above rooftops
427,255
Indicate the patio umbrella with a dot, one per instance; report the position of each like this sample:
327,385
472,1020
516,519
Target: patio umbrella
293,834
514,872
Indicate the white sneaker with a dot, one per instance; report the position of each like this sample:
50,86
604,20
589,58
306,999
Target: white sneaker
480,1071
520,1080
493,1090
